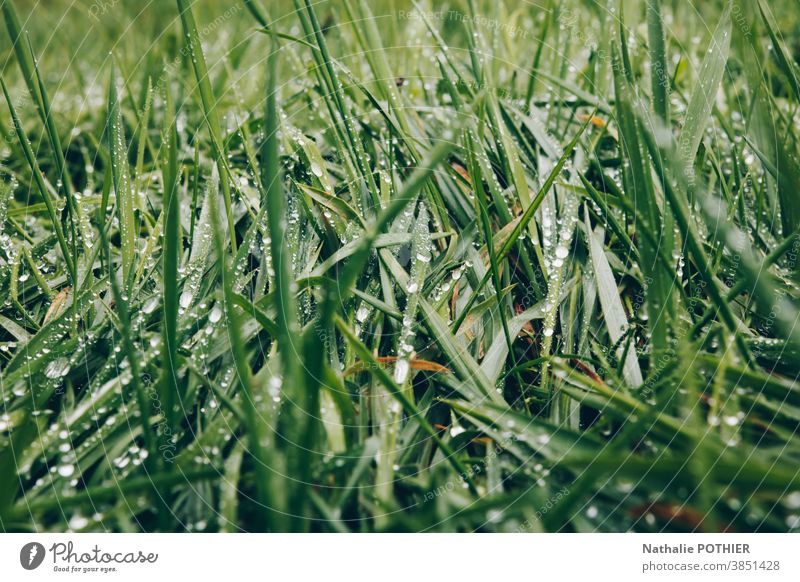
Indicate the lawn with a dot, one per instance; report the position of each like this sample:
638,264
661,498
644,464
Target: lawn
353,266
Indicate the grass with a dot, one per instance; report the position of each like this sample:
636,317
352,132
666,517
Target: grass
350,266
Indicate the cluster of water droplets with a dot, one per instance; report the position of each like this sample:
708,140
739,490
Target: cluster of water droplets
209,318
202,245
444,289
6,192
421,248
557,232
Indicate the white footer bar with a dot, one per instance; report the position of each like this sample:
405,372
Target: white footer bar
400,557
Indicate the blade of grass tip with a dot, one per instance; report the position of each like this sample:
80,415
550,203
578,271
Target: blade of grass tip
248,407
444,51
410,409
354,139
142,141
63,178
479,49
38,178
289,37
24,57
379,63
407,123
704,96
120,172
784,60
352,165
209,108
522,222
257,11
171,253
548,16
30,74
659,80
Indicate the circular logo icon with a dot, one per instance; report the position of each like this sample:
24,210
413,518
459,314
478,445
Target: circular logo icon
31,555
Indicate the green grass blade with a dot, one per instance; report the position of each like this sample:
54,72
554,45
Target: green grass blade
173,246
209,108
38,179
120,169
659,75
704,95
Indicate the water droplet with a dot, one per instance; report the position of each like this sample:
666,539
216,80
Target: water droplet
58,368
215,315
151,305
401,371
186,299
66,470
731,420
78,522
